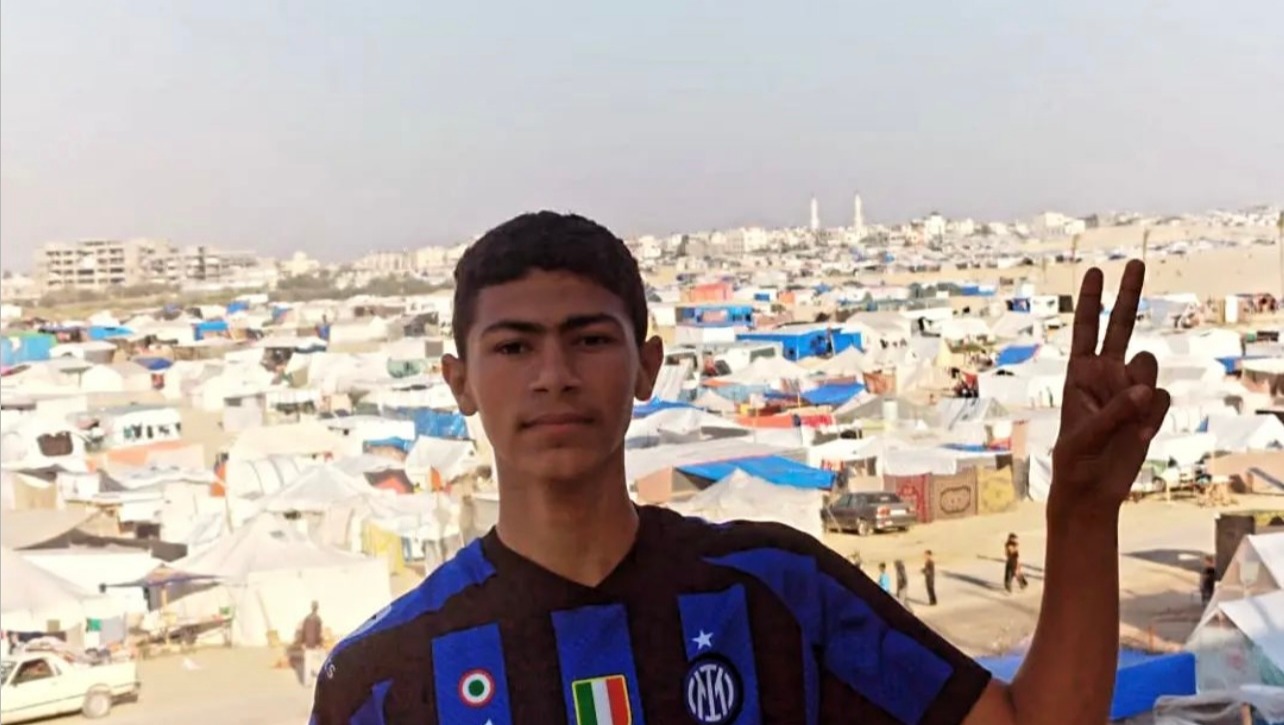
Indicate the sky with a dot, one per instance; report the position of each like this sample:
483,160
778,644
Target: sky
338,127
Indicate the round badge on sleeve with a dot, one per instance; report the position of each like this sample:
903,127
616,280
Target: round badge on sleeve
476,688
713,689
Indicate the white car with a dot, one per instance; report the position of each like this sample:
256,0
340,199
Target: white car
41,684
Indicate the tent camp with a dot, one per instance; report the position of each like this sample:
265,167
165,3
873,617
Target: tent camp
268,573
35,600
741,496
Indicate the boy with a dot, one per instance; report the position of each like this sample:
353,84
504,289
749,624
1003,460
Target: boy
580,607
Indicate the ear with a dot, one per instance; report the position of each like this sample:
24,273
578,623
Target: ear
456,374
650,360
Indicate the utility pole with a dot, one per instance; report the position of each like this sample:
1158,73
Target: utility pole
1074,264
1279,242
1145,245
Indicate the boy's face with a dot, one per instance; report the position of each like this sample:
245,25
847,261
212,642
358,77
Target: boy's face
553,368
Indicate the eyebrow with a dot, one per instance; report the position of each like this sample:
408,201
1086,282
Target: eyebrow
570,324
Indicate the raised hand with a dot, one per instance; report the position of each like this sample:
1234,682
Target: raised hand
1111,409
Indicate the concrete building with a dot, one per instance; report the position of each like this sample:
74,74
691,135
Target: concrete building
97,264
100,264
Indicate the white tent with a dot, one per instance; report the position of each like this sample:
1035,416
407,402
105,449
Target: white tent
31,598
741,496
316,490
768,371
1238,434
1257,568
450,458
308,438
269,573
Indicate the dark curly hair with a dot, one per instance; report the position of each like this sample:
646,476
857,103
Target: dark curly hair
551,242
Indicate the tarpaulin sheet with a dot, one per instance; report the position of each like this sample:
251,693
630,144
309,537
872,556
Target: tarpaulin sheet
773,469
642,410
154,363
438,423
833,394
1016,354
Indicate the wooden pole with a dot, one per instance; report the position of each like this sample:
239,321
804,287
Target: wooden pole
1279,242
1074,264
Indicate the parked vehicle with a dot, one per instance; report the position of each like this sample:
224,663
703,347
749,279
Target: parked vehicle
868,512
38,685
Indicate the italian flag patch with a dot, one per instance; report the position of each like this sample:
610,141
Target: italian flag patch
602,701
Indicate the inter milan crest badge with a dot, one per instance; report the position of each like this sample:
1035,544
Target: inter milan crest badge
713,690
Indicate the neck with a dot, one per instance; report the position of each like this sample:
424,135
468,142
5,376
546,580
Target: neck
579,530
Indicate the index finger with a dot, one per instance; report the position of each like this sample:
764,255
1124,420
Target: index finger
1087,315
1124,316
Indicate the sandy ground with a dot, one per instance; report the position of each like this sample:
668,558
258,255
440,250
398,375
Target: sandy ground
1161,544
1208,273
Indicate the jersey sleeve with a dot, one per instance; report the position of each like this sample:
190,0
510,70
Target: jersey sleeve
348,692
877,662
886,656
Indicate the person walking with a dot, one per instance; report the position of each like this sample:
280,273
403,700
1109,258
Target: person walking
1208,580
1012,565
929,577
884,581
902,583
312,639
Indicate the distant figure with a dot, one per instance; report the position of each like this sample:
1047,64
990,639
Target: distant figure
929,577
902,583
884,581
1012,564
1208,580
313,640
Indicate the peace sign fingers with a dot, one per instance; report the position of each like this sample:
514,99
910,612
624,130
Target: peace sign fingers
1124,315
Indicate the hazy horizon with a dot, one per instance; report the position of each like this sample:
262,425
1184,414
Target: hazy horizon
339,129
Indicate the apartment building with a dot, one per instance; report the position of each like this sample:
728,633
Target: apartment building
99,264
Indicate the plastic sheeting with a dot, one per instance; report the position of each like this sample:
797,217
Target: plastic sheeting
1222,707
772,469
834,395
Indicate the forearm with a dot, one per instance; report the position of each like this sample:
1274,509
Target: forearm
1069,673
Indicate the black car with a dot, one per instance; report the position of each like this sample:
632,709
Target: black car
869,511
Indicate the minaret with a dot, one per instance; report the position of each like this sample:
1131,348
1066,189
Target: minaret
815,215
858,222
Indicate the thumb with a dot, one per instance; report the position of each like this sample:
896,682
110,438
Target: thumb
1129,406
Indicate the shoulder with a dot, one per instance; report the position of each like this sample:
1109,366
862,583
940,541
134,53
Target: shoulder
374,652
771,552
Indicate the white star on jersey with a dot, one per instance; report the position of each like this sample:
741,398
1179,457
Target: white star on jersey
703,640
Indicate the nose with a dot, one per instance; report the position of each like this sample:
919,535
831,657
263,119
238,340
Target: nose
557,370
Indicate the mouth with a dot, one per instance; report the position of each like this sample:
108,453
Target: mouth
558,420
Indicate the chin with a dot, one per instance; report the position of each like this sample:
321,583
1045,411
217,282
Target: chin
569,465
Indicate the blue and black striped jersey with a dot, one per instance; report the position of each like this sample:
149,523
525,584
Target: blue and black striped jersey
700,623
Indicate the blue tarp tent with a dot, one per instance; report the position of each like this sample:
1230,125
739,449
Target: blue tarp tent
106,332
835,395
401,443
237,306
1140,680
155,364
207,327
642,410
26,347
773,469
434,423
1016,354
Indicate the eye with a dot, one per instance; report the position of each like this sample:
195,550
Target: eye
511,347
596,340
